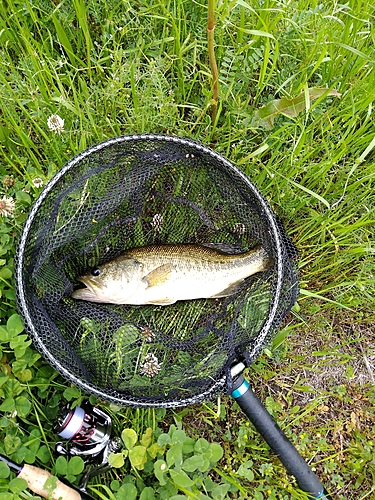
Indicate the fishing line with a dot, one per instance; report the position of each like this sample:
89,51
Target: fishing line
25,431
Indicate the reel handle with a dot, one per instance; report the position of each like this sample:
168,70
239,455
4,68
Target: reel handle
36,479
277,440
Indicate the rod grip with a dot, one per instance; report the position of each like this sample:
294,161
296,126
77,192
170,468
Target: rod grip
277,440
36,479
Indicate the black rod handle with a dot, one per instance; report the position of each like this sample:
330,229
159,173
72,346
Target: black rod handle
276,439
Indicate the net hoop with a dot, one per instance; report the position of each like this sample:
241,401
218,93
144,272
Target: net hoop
217,385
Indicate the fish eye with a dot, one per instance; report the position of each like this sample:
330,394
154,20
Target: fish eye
95,271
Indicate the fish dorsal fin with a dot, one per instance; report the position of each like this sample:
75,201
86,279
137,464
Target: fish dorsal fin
158,276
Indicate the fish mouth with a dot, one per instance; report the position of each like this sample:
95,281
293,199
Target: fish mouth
90,292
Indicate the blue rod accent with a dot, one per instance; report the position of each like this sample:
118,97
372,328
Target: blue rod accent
240,391
320,494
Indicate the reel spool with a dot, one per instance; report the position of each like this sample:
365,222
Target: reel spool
87,429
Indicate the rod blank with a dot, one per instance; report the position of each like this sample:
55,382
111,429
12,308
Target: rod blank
277,440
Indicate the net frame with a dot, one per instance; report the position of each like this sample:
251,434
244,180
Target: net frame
224,381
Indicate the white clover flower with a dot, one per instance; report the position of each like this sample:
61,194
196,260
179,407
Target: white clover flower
38,182
7,206
157,222
151,366
239,228
8,181
55,124
147,334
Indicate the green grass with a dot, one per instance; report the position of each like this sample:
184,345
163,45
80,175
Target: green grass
113,68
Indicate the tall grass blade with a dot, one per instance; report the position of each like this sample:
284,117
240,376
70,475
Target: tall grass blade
308,293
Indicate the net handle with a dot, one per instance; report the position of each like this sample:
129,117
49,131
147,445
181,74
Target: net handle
277,440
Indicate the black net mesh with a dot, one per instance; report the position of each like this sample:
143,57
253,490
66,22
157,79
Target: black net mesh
135,191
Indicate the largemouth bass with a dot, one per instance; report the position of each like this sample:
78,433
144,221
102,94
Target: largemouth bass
163,274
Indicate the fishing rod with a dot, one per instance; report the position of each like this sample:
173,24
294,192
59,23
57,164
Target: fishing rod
87,433
36,479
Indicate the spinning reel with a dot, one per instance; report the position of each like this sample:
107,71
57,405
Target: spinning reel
86,431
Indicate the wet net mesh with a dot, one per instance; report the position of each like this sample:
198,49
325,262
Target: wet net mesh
142,190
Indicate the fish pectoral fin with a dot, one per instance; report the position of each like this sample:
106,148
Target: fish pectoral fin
162,302
230,290
158,276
